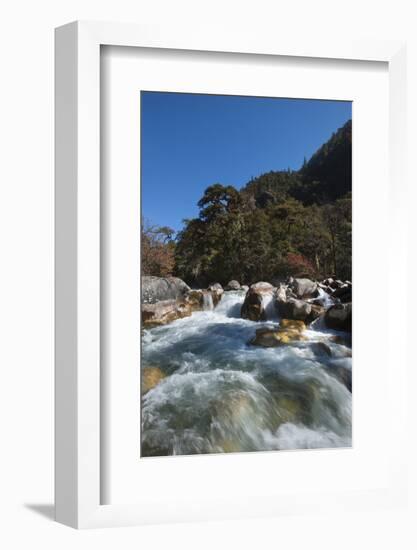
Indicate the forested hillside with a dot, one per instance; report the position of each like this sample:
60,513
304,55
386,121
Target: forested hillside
282,223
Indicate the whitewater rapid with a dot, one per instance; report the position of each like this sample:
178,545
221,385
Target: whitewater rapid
221,394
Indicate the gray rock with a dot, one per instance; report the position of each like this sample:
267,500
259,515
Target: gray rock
253,307
156,289
232,285
339,317
304,288
321,348
262,287
299,310
164,312
281,293
294,309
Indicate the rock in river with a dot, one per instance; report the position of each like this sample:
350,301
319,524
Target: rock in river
298,309
156,289
151,376
304,288
339,317
258,299
288,331
164,312
233,285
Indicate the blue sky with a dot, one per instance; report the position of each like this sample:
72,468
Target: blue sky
191,141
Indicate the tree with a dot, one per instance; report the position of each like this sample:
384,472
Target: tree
281,223
337,218
157,250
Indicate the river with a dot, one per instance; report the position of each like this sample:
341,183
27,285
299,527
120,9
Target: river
220,394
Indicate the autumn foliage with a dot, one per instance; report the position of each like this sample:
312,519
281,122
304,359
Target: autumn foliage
157,250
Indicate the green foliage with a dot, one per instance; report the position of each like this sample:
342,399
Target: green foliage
281,223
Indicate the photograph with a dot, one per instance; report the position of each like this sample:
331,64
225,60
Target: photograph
246,274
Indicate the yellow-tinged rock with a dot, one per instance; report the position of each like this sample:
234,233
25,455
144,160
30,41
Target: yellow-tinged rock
292,324
151,376
271,338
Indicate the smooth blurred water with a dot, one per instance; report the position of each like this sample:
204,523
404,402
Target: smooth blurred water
221,394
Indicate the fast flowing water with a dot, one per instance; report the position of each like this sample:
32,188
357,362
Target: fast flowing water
221,394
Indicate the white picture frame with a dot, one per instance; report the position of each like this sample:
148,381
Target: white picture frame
78,321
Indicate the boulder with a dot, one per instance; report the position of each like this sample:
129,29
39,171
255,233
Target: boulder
262,287
292,308
289,331
257,299
151,376
245,288
232,285
292,324
321,348
281,293
156,289
339,317
164,312
304,288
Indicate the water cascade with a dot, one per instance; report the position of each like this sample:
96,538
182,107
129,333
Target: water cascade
268,305
207,301
324,298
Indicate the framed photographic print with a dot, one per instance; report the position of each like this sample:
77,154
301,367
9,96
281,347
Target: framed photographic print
221,205
243,350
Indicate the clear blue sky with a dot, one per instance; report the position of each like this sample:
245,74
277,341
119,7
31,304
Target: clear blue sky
191,141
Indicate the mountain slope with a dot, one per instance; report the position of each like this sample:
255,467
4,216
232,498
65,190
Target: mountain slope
326,177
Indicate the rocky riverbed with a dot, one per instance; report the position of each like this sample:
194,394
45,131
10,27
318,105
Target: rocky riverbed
265,367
